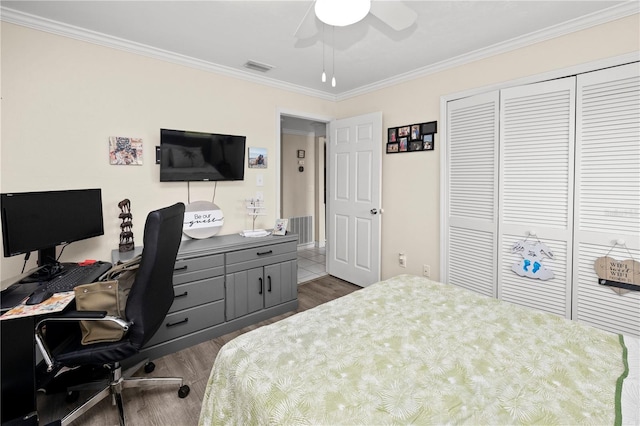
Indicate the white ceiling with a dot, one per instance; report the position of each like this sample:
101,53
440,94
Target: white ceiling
221,36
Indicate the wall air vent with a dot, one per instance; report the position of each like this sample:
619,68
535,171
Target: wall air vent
257,66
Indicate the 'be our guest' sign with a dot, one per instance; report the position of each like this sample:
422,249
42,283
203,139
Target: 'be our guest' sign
202,219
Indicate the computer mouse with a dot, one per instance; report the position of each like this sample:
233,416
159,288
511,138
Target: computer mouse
39,295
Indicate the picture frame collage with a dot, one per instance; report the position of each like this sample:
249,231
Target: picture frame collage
412,137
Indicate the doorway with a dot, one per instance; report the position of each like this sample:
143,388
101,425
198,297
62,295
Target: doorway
302,188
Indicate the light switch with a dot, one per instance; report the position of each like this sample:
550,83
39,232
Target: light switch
260,180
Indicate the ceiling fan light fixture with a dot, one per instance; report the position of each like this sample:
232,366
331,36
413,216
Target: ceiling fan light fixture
340,13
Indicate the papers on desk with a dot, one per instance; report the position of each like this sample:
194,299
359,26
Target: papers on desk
55,303
255,233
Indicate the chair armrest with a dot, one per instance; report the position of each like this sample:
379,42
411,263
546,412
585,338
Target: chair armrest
75,315
72,316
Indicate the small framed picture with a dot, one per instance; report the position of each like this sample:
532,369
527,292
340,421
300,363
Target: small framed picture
125,151
301,153
392,135
280,228
415,132
392,147
403,144
403,131
427,142
257,158
415,146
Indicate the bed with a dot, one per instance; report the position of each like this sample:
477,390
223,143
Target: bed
411,350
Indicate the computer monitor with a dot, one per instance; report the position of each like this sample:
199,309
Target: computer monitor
43,220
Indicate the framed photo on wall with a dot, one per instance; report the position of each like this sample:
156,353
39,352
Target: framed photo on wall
427,142
257,158
415,146
411,138
403,144
393,135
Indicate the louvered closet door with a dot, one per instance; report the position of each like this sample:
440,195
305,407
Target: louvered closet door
536,190
472,193
607,199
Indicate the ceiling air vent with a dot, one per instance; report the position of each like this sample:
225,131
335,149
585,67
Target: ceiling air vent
257,66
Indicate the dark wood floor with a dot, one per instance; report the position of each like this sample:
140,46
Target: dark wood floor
161,406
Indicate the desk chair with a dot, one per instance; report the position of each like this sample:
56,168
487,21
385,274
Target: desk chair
149,301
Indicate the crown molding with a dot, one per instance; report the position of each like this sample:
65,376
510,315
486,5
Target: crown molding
54,27
47,25
597,18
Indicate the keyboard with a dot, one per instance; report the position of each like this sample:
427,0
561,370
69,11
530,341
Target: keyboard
75,275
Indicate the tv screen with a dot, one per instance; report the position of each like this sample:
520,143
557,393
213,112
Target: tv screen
43,220
196,156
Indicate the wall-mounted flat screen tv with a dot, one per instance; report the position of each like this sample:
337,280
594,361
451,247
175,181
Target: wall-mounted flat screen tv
197,156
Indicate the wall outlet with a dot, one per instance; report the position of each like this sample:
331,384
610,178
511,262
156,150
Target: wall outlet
426,270
259,180
402,258
260,196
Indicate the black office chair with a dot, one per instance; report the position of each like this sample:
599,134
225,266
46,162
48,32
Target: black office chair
149,301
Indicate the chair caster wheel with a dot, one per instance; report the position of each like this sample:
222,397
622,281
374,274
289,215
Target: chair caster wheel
149,367
183,391
72,396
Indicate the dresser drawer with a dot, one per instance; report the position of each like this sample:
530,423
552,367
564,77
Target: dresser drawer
260,253
197,293
189,265
187,321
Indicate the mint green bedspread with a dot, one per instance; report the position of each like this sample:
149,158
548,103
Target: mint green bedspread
409,350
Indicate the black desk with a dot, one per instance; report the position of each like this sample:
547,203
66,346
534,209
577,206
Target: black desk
18,360
18,372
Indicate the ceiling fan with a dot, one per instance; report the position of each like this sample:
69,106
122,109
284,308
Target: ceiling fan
341,13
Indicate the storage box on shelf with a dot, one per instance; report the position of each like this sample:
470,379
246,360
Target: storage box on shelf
225,283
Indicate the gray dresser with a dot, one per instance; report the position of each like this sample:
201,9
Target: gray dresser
222,284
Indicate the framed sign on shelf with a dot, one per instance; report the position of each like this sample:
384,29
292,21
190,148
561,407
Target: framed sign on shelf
411,138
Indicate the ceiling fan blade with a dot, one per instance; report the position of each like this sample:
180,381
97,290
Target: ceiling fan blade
307,27
394,13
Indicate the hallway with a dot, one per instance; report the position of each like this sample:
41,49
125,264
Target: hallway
311,263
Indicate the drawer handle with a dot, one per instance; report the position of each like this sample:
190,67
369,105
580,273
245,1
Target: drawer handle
262,253
181,268
181,295
269,277
169,324
260,279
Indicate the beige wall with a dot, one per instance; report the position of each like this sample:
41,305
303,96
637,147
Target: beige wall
410,182
298,187
62,99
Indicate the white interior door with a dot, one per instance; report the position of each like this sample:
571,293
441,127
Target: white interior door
354,152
